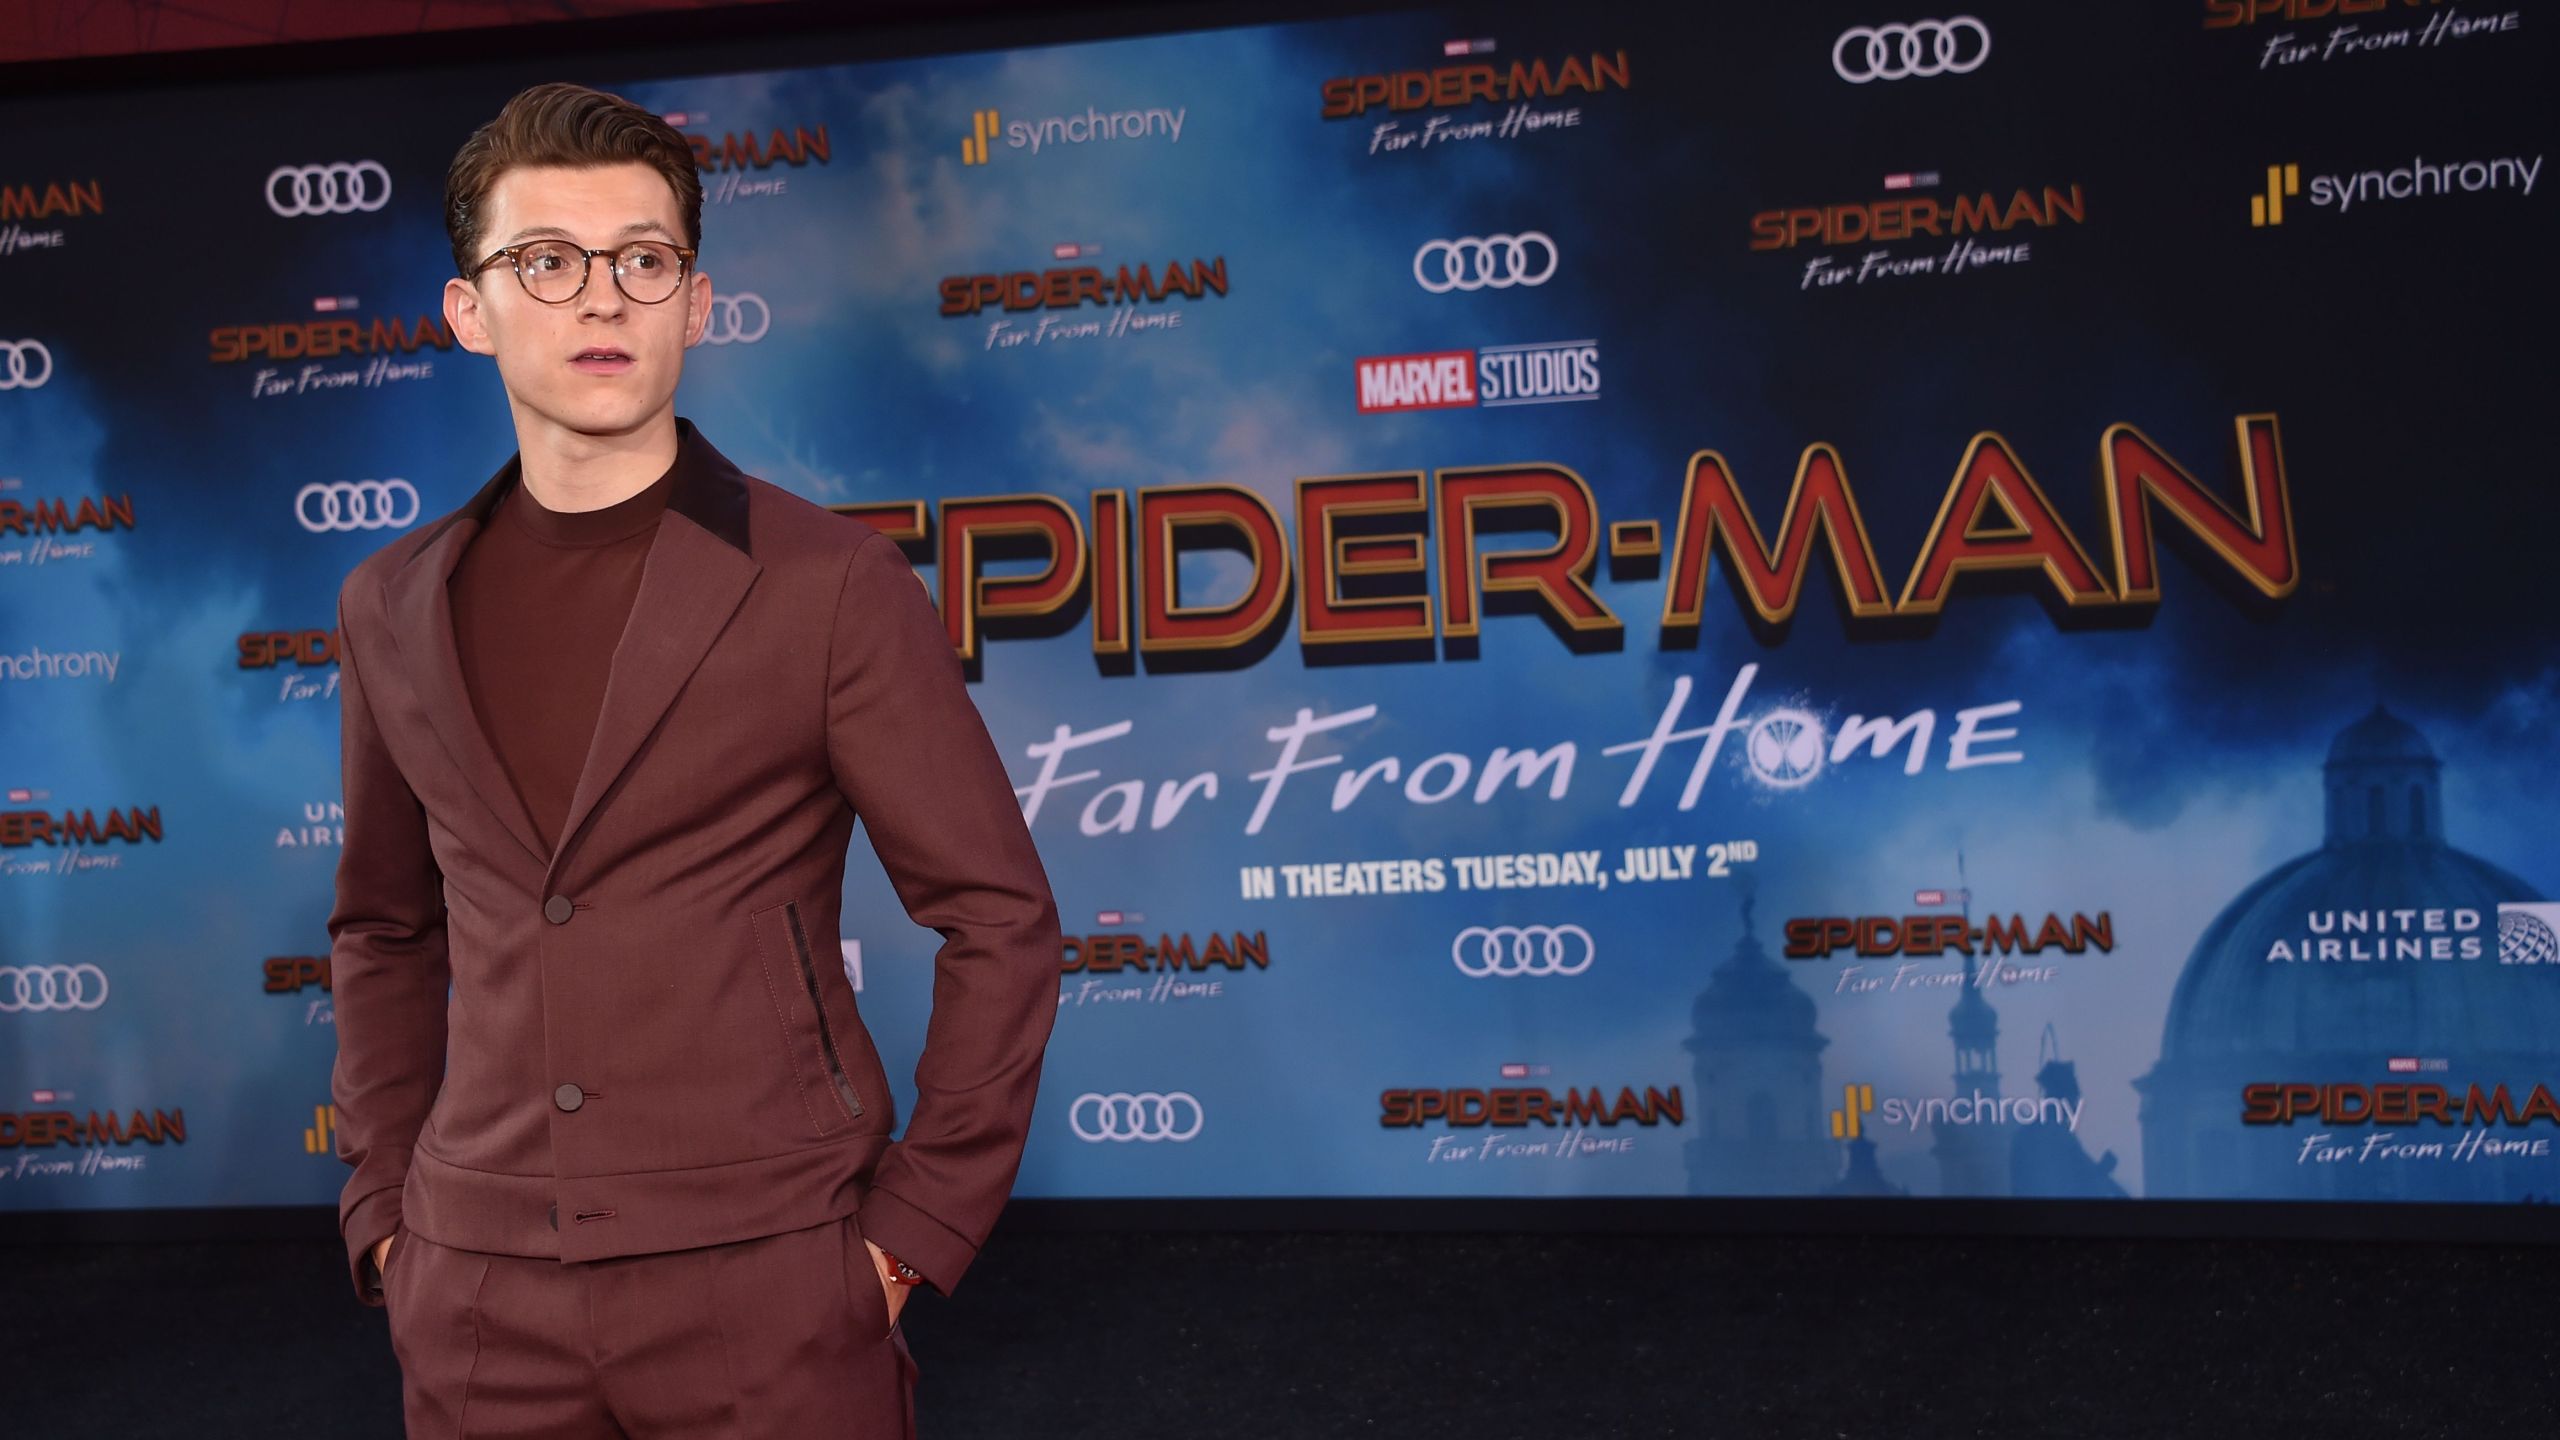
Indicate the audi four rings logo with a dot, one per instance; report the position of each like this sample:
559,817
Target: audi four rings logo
328,189
1482,950
1485,262
356,505
51,987
24,364
1143,1116
1924,47
728,324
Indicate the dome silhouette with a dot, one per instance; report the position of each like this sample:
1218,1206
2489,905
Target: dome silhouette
2382,944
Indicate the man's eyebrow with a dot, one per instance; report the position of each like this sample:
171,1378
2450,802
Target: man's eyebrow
636,227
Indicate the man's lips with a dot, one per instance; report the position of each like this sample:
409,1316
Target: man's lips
602,360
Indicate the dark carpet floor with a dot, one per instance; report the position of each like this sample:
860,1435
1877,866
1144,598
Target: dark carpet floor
1207,1335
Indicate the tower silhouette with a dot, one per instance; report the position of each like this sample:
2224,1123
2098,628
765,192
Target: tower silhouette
1757,1061
2048,1159
1972,1159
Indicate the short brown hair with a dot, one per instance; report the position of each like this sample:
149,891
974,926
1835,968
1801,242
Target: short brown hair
563,124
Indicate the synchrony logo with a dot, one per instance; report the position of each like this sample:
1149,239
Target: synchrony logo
2419,179
38,663
1909,1113
986,127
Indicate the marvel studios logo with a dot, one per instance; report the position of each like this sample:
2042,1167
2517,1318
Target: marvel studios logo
2416,1064
1496,375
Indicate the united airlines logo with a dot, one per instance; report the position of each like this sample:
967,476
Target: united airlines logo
1147,1115
2430,932
2528,934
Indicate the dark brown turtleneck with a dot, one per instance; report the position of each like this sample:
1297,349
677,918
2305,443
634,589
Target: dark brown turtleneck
539,601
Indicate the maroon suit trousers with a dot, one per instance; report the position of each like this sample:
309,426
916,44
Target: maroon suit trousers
783,1335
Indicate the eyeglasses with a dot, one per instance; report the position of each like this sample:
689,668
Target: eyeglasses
555,272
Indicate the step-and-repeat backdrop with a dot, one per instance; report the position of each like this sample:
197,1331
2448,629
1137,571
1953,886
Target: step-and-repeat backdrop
1583,602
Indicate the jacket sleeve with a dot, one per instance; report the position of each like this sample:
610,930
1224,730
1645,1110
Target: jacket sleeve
912,755
388,971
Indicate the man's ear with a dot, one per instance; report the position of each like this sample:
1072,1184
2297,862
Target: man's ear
697,307
462,316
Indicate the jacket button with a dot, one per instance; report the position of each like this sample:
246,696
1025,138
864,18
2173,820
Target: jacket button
568,1097
556,909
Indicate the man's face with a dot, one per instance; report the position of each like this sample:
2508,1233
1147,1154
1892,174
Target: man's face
546,353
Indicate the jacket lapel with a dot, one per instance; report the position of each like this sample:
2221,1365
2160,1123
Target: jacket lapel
690,585
696,574
421,617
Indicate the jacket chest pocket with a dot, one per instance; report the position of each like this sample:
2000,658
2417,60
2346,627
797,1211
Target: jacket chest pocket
791,979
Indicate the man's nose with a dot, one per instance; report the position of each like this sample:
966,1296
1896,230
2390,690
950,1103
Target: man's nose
603,294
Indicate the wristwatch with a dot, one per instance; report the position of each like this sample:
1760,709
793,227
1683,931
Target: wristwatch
901,1271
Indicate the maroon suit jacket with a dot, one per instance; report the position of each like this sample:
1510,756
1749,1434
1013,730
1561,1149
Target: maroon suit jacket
650,1042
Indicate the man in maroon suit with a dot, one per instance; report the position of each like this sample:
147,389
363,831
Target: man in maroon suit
621,1139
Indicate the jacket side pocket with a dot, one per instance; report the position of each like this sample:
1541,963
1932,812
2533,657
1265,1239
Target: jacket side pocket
791,981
